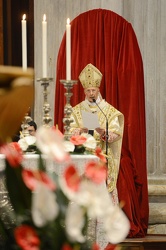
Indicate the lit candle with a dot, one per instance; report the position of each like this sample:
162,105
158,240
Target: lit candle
44,45
24,42
68,50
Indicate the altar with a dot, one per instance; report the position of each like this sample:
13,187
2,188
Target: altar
95,232
31,161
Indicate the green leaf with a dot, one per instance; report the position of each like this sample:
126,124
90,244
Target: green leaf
19,194
3,231
7,241
41,163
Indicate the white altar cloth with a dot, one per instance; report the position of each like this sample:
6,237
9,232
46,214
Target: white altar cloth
31,162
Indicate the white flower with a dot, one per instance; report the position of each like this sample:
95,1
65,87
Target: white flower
75,222
44,205
90,142
116,225
98,203
88,196
52,144
26,141
69,146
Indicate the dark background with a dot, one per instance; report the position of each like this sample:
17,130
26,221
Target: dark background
10,31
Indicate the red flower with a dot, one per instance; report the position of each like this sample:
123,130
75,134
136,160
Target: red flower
95,246
78,140
31,178
26,238
95,171
13,153
72,178
66,247
111,247
98,153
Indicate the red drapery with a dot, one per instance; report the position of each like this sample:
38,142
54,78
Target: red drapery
107,40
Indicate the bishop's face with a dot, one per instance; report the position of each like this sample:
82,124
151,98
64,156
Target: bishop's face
91,93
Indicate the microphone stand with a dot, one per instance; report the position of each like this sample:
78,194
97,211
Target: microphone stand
106,142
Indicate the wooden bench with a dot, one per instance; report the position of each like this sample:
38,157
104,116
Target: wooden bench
150,242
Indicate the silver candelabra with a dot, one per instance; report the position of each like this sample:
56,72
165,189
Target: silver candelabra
68,85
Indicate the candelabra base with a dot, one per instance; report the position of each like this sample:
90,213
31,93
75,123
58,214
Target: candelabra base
45,82
25,125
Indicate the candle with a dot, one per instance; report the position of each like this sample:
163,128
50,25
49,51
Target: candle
44,45
24,42
68,50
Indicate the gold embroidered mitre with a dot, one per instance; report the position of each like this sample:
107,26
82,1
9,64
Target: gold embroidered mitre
90,77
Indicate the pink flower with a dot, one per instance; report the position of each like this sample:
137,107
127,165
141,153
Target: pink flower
72,178
95,171
13,153
26,238
78,140
31,178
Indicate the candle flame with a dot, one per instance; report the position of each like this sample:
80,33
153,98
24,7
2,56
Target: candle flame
68,21
24,17
44,17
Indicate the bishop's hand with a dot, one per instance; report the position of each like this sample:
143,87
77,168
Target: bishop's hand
100,131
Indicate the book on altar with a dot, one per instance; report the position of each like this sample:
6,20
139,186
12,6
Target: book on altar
90,120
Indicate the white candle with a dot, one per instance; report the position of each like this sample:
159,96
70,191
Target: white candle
24,42
44,45
68,50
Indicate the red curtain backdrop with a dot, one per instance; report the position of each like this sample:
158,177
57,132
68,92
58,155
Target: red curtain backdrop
107,40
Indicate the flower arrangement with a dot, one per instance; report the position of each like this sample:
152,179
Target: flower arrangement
28,144
79,144
83,144
52,212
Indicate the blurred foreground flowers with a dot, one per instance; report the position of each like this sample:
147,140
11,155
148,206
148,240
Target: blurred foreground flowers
52,212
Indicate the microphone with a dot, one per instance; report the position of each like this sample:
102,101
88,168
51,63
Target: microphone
106,145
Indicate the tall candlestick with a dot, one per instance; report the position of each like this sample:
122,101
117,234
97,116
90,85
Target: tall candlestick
68,50
24,42
44,45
